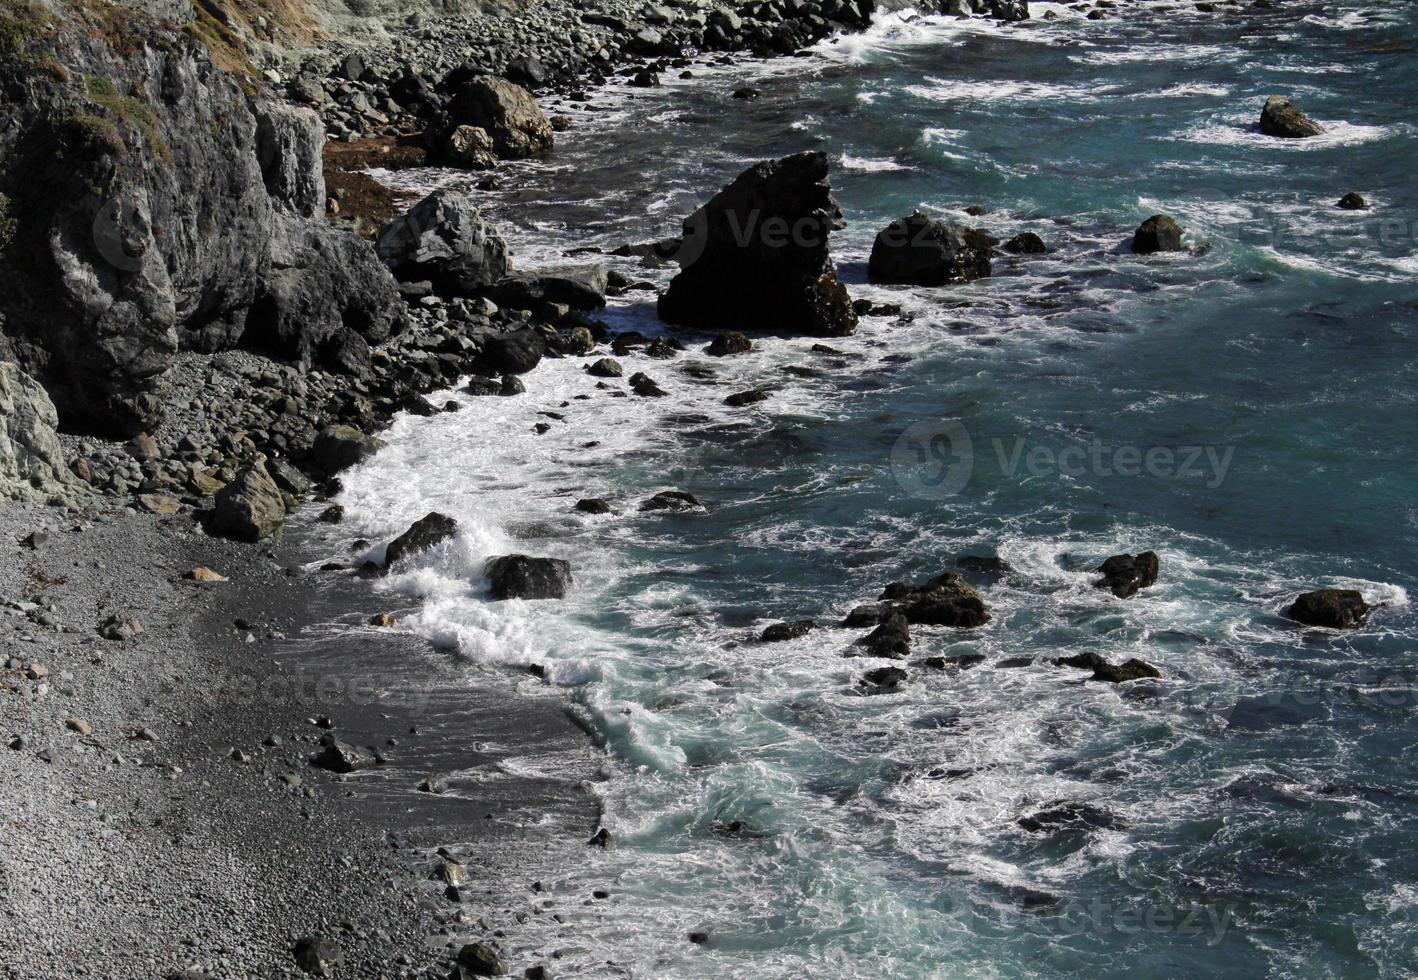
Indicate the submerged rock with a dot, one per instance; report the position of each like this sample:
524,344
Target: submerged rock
422,535
1124,575
756,255
1352,202
1026,243
921,251
1130,670
444,240
780,632
525,577
1069,816
1331,608
1280,118
1158,233
885,678
677,500
592,505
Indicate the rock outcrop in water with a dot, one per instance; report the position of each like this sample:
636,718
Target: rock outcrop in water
1280,118
756,255
444,240
1124,575
428,531
1339,609
153,204
946,600
1158,233
525,577
921,251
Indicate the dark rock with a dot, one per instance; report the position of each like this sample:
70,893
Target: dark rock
742,398
511,386
338,447
671,500
891,639
333,514
1352,202
946,600
983,567
287,477
1280,118
483,386
425,533
513,353
341,757
1331,608
1125,574
922,251
1069,816
866,615
507,112
606,367
887,678
729,342
1083,661
1026,243
1130,670
580,288
962,661
249,508
444,240
1158,233
319,956
524,577
482,960
644,386
780,632
593,505
757,255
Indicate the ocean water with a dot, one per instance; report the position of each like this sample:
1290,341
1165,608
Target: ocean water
1245,408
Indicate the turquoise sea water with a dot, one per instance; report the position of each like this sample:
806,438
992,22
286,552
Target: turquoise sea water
1246,409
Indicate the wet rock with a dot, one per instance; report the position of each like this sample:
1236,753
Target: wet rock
513,353
507,112
436,786
338,447
1124,575
1279,118
444,240
249,508
511,386
525,577
481,960
1026,243
1352,202
891,639
885,678
593,505
674,500
780,632
946,600
729,342
423,534
580,288
1069,816
1083,661
756,255
867,614
741,398
923,251
319,956
334,514
644,386
580,341
962,661
341,757
1330,608
470,147
1158,233
1130,670
606,367
483,387
984,568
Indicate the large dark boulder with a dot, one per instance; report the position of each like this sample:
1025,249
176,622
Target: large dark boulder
507,112
946,600
756,255
1340,609
922,251
1158,233
1124,575
891,639
582,288
514,353
781,632
152,204
1279,118
525,577
422,535
338,447
444,240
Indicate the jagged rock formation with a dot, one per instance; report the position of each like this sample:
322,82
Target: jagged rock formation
31,462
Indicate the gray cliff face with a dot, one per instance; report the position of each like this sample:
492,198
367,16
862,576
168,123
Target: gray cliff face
157,205
31,461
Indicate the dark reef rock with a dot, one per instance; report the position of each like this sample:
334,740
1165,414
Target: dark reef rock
756,255
525,577
781,632
1352,202
1340,609
1158,233
946,600
1026,243
892,639
1279,118
422,535
1124,575
513,353
672,500
582,288
922,251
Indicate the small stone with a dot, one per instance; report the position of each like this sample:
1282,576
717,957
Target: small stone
382,620
432,785
80,726
203,574
37,672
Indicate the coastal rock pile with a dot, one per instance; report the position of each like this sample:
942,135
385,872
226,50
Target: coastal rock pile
443,240
756,255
